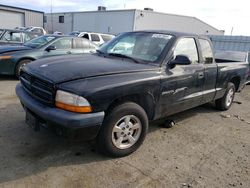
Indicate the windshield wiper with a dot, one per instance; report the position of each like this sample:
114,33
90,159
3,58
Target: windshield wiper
124,56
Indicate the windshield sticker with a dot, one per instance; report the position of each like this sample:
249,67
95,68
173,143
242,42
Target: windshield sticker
161,36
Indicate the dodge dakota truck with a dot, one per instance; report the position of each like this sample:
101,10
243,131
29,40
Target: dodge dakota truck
135,78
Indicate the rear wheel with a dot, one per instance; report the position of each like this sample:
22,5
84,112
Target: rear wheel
123,131
226,101
20,65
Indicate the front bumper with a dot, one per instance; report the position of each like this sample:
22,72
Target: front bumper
57,116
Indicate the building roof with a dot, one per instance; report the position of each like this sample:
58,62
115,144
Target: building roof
7,6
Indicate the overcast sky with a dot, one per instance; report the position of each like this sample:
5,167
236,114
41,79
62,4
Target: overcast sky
222,14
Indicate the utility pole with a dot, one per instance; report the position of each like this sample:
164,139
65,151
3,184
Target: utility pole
232,30
51,16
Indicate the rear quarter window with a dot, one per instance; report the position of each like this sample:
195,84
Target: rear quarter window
206,50
95,38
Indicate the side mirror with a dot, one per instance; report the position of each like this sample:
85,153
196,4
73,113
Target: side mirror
49,48
180,60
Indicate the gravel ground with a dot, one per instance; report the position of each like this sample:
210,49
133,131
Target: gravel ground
206,148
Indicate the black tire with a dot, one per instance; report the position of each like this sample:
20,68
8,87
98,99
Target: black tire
20,66
222,103
106,136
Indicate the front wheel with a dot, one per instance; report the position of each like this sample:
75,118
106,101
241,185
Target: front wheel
226,101
20,65
123,131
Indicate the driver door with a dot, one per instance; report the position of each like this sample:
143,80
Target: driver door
182,85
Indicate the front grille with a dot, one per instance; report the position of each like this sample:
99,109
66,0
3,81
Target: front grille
38,88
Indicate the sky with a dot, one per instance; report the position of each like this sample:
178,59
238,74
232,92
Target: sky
229,15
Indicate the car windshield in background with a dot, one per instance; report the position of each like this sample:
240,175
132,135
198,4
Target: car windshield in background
74,33
141,46
39,42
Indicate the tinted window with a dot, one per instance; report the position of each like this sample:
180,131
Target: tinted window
95,38
1,31
187,47
106,38
12,36
45,19
61,19
64,43
207,53
86,36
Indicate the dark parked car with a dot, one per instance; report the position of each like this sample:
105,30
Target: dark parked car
16,37
13,58
233,56
135,78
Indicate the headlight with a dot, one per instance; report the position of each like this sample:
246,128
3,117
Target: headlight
5,57
72,102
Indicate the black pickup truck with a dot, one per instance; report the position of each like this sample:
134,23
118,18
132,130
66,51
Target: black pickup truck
133,79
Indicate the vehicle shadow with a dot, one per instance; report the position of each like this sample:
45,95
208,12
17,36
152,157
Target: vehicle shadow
25,153
7,77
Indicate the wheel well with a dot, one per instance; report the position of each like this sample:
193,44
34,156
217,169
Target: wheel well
236,82
144,100
25,58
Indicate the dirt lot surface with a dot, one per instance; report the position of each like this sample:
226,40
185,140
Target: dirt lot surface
206,148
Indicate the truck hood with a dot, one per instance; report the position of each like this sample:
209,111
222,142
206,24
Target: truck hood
8,48
72,67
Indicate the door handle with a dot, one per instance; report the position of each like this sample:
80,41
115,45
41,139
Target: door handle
200,75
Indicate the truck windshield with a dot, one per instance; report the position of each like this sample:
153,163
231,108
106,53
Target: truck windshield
140,46
39,42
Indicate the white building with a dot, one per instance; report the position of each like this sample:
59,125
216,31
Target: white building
11,17
117,21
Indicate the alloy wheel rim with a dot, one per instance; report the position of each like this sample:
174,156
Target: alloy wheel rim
126,132
229,98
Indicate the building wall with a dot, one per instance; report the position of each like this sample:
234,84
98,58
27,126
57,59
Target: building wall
65,27
155,20
112,22
30,18
117,21
231,43
10,19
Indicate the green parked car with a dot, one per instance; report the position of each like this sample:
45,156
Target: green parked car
13,58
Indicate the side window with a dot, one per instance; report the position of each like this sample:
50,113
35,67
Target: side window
77,43
187,46
80,43
64,43
207,53
12,36
95,38
86,36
